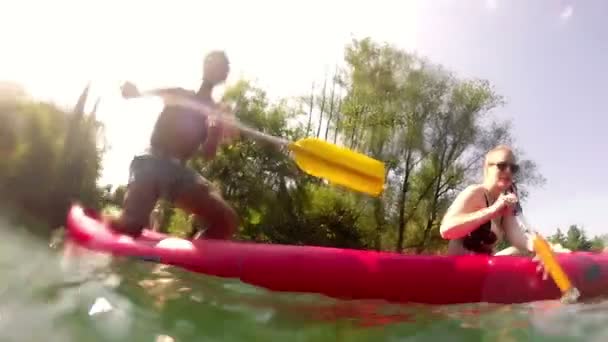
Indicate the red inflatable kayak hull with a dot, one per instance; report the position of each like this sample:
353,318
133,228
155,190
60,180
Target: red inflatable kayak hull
351,274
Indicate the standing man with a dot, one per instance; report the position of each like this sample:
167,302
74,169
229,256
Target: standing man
180,133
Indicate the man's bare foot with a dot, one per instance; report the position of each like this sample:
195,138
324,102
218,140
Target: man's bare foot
115,224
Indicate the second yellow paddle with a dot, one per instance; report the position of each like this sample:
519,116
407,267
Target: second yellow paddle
316,157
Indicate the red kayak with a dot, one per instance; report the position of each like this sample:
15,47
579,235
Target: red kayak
351,274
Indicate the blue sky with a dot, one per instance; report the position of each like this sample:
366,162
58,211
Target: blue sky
547,58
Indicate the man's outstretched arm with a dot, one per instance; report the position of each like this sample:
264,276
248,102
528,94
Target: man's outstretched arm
130,91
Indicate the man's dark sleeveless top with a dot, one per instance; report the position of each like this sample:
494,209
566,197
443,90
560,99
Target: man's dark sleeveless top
179,131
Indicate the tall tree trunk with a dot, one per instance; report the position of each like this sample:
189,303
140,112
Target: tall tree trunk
354,130
402,198
322,107
379,209
310,108
331,103
362,131
434,201
359,127
380,223
338,117
427,230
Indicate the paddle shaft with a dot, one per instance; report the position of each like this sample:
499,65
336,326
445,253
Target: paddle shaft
314,156
211,112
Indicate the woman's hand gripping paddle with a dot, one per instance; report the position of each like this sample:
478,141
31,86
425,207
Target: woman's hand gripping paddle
316,157
570,294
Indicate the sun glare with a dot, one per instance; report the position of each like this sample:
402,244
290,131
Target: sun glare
162,44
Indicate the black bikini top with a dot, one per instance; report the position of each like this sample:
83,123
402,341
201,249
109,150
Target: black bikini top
481,239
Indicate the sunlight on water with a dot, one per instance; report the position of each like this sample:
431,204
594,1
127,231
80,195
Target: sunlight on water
65,293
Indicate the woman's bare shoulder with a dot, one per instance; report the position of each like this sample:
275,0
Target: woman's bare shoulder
470,198
472,190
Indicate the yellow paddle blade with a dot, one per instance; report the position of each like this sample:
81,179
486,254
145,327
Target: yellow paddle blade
339,165
569,293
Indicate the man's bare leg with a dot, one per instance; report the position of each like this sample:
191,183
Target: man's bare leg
210,207
140,199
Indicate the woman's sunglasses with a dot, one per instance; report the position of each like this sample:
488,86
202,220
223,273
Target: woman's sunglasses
502,166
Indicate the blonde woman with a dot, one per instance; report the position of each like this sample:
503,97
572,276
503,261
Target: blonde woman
482,214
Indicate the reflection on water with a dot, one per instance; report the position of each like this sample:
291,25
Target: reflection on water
65,293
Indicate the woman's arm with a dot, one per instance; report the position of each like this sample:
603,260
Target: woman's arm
467,213
516,235
523,241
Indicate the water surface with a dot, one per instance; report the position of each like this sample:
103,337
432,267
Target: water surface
48,294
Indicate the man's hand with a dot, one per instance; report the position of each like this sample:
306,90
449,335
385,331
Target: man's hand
129,90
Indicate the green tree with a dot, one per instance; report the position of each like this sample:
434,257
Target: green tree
598,243
430,128
576,239
54,160
558,237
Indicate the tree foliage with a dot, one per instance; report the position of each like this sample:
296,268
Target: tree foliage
576,239
52,158
431,129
